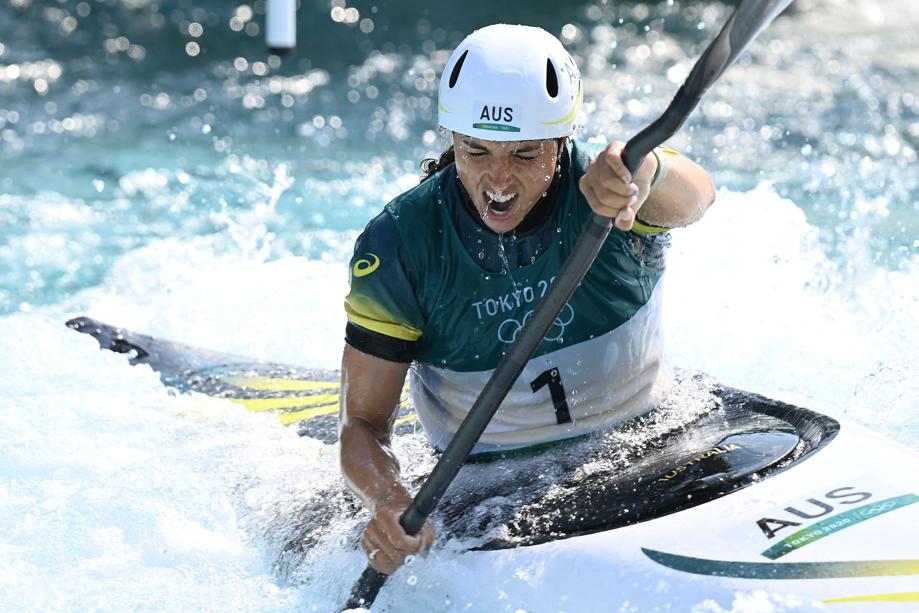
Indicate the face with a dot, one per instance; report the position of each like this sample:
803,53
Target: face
505,180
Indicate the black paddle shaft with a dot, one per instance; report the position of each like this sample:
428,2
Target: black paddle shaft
747,20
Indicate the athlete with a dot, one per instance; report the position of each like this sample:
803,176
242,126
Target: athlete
447,275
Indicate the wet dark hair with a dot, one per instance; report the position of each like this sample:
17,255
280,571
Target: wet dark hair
429,166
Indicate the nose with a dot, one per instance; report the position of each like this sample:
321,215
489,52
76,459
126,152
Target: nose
500,173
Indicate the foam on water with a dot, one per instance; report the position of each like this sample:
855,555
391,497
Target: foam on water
754,300
117,495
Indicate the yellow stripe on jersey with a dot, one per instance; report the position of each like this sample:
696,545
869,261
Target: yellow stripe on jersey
369,315
645,229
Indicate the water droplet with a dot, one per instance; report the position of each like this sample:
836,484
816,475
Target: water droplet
409,560
412,580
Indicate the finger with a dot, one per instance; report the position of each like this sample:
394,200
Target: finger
590,195
625,219
375,556
378,539
608,184
394,533
608,207
612,157
384,558
604,170
635,203
366,544
613,192
427,540
384,563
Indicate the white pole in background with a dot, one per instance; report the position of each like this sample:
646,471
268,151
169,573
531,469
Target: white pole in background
281,26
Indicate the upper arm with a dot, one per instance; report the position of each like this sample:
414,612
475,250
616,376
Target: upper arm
385,317
370,391
682,198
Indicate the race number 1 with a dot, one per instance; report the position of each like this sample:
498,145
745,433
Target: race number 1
556,390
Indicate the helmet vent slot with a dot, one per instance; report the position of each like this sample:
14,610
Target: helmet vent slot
456,68
551,79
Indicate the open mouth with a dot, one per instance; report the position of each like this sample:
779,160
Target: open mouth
499,202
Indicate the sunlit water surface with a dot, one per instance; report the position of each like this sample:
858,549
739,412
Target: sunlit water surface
213,196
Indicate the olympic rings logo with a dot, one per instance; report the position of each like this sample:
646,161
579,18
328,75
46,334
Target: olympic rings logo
510,328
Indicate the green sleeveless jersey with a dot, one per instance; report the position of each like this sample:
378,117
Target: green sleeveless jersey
412,278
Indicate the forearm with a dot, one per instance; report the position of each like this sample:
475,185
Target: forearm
369,466
682,197
371,388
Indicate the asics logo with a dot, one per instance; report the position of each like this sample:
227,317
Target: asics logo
510,328
364,267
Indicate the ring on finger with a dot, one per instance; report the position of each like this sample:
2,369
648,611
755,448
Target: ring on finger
373,554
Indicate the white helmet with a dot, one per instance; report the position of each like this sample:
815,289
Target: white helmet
506,83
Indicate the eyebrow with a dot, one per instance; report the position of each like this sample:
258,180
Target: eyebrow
526,148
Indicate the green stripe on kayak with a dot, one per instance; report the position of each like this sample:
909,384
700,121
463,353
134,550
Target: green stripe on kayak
834,524
784,570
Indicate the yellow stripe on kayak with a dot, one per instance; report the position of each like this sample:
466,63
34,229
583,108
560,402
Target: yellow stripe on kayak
899,597
257,405
268,384
292,417
406,419
297,408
